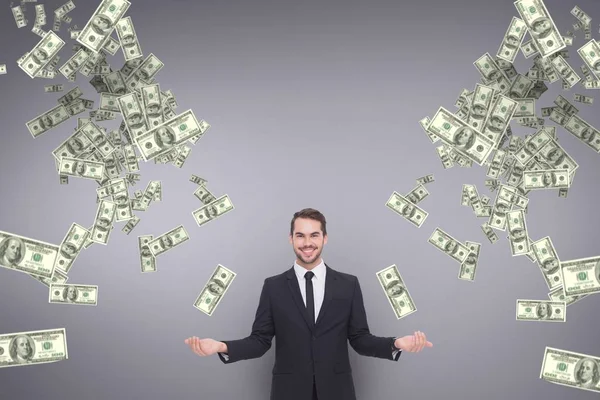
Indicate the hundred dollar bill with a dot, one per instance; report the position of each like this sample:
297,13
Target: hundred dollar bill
532,145
128,39
541,27
109,102
98,29
132,223
463,138
214,290
168,240
19,16
566,72
133,114
33,347
113,187
482,100
123,211
424,122
103,223
581,276
131,159
556,157
512,40
583,131
567,368
98,139
147,260
517,231
182,156
74,63
62,293
546,179
448,245
496,163
198,180
41,55
48,120
548,261
409,211
490,71
213,210
57,277
590,54
469,267
425,179
526,107
558,294
443,154
70,247
57,88
580,98
500,114
144,72
396,292
541,310
502,205
31,256
161,139
151,101
81,168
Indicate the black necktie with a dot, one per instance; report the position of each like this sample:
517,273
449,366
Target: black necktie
310,297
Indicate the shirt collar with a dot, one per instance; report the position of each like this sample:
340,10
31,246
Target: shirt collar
319,270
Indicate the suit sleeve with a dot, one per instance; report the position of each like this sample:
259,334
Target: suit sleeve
361,339
259,341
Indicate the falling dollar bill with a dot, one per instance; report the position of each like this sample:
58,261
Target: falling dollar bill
416,195
71,246
213,210
61,293
580,98
546,179
396,292
41,54
571,369
500,114
489,233
548,261
103,223
98,29
464,138
33,347
449,246
502,205
147,260
517,233
81,168
214,290
133,115
583,131
27,255
57,277
168,240
425,179
128,39
541,27
469,267
566,72
48,120
590,54
541,310
581,276
558,294
132,223
512,40
409,211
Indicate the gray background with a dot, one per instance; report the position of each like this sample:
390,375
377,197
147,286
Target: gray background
312,104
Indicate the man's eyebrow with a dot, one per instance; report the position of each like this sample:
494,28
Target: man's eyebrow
300,233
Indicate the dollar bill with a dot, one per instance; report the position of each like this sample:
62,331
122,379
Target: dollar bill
198,180
566,72
502,205
57,277
407,210
62,293
449,245
101,24
182,156
147,260
48,120
144,72
19,16
70,247
500,113
425,179
81,168
74,63
444,156
133,115
558,294
532,145
161,139
541,27
128,39
27,255
517,233
214,290
546,179
469,267
416,195
124,211
512,40
98,139
151,101
580,98
571,369
541,310
583,131
590,54
480,105
581,276
41,54
168,240
491,72
396,292
462,137
53,88
109,102
496,163
33,347
424,122
213,210
548,261
103,223
132,223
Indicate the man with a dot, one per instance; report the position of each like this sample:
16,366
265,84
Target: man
11,252
21,350
311,354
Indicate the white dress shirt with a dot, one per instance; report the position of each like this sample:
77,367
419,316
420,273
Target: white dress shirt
318,281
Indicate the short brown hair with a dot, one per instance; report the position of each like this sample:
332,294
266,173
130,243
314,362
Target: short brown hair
310,213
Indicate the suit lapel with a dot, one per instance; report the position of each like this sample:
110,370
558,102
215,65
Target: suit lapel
292,283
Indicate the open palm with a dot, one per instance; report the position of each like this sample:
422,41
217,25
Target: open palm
413,343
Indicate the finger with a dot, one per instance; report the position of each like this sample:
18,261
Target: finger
197,348
423,340
429,344
420,341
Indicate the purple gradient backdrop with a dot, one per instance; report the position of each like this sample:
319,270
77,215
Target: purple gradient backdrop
312,104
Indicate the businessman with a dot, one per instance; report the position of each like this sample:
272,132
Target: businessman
313,310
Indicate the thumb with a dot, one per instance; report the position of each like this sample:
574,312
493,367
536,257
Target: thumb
187,341
429,344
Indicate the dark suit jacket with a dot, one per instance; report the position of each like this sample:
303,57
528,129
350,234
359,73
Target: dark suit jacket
304,353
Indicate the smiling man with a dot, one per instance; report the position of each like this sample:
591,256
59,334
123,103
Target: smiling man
314,311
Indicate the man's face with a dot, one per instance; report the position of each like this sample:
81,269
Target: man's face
541,26
496,123
163,135
307,240
586,371
79,167
101,23
512,41
127,40
103,223
554,154
71,293
23,347
518,234
547,178
587,134
451,246
13,250
550,265
464,136
544,310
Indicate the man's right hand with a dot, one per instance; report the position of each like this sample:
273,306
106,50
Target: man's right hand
205,347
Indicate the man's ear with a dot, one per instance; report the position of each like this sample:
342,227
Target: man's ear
324,239
290,237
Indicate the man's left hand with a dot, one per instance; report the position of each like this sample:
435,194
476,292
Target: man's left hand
412,343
